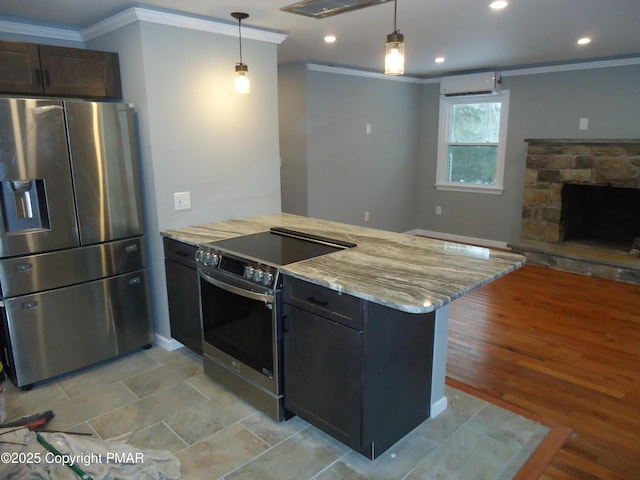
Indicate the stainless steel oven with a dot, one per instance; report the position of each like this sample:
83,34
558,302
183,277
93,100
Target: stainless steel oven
242,331
241,309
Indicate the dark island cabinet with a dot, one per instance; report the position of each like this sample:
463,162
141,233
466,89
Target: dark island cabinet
183,293
27,68
358,370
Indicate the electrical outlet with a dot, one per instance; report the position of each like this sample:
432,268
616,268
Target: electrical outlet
366,216
182,200
438,210
584,124
367,129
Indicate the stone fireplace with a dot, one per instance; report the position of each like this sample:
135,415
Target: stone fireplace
581,207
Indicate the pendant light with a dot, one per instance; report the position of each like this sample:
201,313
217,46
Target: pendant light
242,71
394,48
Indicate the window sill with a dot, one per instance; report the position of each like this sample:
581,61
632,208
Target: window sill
470,188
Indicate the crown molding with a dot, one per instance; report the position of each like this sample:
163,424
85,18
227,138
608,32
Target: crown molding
360,73
110,24
566,67
139,14
40,31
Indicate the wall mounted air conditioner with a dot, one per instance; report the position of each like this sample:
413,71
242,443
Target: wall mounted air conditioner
473,84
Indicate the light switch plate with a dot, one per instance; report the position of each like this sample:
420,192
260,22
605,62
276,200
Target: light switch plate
182,200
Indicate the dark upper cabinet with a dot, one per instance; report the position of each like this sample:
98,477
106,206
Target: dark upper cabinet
20,68
27,68
78,72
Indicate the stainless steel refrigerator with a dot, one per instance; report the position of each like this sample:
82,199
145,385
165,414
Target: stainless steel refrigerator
74,286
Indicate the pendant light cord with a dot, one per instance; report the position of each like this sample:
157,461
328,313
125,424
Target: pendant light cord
240,37
395,16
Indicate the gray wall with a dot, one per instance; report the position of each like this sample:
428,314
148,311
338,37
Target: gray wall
196,133
346,171
545,105
332,169
292,112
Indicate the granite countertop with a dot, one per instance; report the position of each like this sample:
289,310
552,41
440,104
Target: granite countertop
406,272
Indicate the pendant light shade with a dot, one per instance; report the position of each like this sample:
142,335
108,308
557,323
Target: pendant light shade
394,48
242,78
242,70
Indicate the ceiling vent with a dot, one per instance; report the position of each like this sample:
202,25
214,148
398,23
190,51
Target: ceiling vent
328,8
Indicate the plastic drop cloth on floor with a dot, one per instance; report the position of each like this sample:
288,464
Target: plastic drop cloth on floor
101,460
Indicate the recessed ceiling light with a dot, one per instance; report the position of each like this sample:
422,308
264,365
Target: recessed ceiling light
584,41
498,4
440,60
330,38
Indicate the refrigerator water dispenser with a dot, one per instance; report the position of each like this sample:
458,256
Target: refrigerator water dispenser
24,205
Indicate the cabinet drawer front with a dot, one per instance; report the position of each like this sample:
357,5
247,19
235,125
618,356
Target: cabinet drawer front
341,308
180,252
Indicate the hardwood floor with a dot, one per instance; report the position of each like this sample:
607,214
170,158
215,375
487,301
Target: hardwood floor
565,347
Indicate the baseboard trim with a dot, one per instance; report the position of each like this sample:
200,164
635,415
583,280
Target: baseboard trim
168,344
483,242
438,407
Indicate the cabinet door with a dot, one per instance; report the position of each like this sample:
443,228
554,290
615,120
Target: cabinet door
184,305
323,374
19,68
78,72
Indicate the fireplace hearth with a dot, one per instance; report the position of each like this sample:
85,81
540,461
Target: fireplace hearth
581,207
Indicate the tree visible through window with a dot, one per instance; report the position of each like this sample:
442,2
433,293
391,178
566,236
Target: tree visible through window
471,146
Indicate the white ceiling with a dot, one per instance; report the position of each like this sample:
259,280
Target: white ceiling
467,33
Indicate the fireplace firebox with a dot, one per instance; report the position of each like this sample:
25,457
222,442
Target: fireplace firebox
600,215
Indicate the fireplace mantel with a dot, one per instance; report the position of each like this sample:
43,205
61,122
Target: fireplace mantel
583,141
551,163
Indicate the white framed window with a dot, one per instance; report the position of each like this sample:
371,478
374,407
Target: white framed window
471,143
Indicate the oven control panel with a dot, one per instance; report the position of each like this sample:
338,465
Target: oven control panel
209,260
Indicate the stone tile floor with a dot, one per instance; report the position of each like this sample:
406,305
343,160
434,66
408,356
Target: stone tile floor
156,399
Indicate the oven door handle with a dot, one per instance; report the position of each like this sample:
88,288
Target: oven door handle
267,299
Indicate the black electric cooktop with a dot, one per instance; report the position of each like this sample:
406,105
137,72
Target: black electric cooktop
279,246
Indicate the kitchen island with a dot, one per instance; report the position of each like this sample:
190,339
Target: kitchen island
386,272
